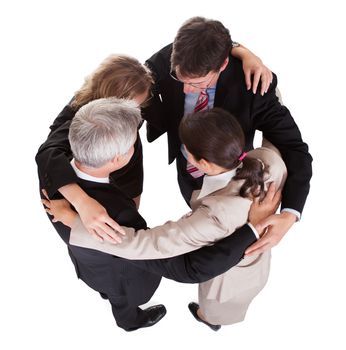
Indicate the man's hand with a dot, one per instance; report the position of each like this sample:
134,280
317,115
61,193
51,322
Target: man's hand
260,210
275,226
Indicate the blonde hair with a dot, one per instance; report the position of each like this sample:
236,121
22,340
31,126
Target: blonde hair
117,76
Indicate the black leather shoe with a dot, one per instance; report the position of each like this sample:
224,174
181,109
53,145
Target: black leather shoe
154,314
193,307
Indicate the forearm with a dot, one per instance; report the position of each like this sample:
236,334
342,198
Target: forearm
205,263
241,52
53,161
74,194
170,239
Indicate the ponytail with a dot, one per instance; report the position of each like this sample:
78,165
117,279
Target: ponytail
253,172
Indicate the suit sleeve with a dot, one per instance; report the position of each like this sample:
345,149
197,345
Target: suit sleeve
154,114
278,126
203,227
205,263
53,158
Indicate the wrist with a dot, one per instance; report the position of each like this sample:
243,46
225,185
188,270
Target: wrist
69,218
290,217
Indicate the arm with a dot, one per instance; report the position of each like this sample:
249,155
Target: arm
205,263
189,233
197,266
279,128
171,239
253,66
202,264
211,261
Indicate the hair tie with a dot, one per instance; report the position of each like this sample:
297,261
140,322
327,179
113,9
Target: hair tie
242,156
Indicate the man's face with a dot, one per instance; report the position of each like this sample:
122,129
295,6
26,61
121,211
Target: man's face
196,85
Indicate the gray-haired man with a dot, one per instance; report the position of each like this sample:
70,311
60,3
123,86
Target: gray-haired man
102,135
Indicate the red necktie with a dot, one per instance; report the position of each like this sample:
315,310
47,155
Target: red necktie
201,105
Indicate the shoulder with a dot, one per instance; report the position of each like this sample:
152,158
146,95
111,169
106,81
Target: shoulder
271,157
230,210
160,62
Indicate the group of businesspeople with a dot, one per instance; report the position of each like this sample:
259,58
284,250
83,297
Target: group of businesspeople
210,95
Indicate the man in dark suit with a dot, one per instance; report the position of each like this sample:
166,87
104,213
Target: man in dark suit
197,72
102,137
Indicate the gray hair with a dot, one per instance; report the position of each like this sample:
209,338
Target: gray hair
103,129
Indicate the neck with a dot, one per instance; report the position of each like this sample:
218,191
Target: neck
217,170
96,172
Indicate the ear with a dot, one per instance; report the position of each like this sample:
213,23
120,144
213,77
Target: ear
115,161
204,165
224,64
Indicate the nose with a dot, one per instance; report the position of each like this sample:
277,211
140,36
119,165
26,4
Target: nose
188,89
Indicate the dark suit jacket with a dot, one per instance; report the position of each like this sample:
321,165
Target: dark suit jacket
254,112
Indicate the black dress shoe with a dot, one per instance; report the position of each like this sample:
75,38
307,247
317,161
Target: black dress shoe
193,307
154,314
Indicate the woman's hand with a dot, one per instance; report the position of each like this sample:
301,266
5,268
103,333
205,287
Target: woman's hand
60,209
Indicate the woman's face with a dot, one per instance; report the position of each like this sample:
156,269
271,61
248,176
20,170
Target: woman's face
141,98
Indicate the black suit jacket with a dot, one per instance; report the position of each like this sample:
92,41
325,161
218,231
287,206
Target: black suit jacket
254,112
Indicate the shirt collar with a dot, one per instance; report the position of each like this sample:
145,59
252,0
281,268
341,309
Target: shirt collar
82,175
212,183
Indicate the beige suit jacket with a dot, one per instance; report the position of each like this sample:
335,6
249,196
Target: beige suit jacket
213,217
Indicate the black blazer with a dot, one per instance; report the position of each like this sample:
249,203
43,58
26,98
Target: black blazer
254,112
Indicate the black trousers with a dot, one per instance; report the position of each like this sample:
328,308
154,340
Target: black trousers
125,285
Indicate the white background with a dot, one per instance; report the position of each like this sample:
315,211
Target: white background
47,48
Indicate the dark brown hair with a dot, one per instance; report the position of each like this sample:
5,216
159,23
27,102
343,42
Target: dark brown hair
117,76
216,136
200,46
